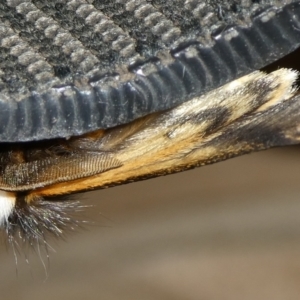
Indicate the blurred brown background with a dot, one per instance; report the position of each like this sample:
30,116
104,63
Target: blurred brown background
226,231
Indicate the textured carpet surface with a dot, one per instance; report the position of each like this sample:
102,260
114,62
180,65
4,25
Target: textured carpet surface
71,67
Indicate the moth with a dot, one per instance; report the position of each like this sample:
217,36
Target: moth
252,113
74,118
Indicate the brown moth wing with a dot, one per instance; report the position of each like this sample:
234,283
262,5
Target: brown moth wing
255,112
49,170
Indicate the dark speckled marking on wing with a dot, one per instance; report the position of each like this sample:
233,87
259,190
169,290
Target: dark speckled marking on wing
72,67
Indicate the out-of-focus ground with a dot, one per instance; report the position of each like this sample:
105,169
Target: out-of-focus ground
225,231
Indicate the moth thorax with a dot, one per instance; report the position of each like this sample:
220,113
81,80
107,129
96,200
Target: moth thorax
7,204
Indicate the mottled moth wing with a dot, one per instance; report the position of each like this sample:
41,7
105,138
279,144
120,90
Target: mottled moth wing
252,113
245,115
50,170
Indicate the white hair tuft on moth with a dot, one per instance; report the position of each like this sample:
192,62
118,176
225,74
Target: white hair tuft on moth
7,205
